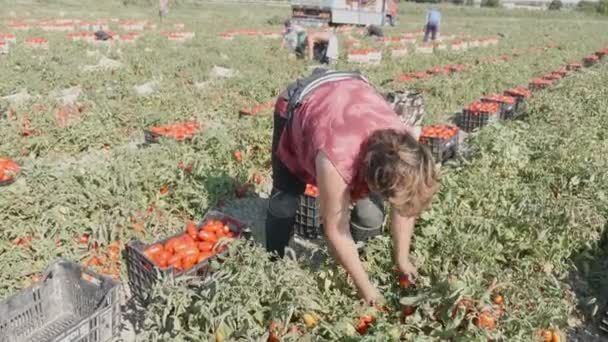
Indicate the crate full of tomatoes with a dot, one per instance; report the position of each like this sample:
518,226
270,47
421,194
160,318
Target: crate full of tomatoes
8,171
442,140
188,253
506,103
479,114
520,95
178,131
590,60
307,222
540,84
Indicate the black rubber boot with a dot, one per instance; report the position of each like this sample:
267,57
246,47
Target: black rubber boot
280,216
278,233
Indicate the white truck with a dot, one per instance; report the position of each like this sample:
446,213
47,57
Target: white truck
343,12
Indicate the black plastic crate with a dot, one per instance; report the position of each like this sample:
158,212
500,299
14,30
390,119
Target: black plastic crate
7,182
507,105
477,118
144,273
604,322
308,220
520,95
590,60
151,138
70,304
539,84
441,148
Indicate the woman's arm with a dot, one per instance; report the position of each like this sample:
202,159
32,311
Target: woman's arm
335,202
403,230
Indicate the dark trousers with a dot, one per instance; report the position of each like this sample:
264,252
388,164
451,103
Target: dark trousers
431,29
285,199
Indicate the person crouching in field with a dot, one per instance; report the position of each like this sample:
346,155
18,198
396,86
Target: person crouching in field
316,45
333,130
433,19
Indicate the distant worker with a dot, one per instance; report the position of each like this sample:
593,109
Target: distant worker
391,12
319,45
163,8
433,20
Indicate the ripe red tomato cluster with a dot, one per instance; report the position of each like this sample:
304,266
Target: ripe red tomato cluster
522,92
439,70
591,58
8,169
438,132
178,131
257,109
363,51
509,100
191,248
482,107
311,191
36,40
541,82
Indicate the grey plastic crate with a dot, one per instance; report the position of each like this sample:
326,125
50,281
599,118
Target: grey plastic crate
70,304
144,274
441,149
308,221
507,110
472,120
520,95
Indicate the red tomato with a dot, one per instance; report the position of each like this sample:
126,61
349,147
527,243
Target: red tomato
84,239
404,282
155,249
408,310
366,318
238,156
162,259
175,261
189,240
191,230
170,245
486,320
205,246
180,247
207,237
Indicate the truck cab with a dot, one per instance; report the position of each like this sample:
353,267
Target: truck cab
316,13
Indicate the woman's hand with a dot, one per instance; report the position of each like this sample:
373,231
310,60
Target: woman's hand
402,230
335,202
407,269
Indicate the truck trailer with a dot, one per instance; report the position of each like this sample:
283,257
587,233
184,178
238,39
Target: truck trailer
317,13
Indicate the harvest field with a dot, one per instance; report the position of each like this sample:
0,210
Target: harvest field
514,243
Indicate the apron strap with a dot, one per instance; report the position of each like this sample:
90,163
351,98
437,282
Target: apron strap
298,91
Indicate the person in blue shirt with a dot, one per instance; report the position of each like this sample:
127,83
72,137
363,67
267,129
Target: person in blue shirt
433,18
